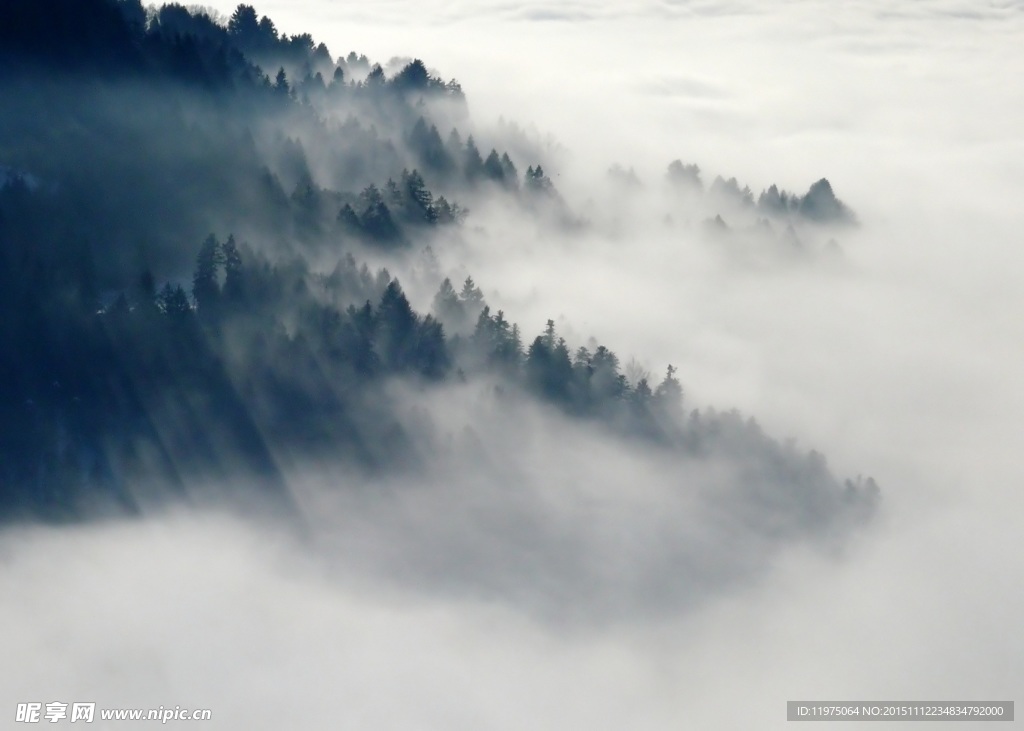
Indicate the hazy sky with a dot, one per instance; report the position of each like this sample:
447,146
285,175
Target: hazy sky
903,361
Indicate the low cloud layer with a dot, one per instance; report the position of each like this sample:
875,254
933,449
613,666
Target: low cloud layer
546,575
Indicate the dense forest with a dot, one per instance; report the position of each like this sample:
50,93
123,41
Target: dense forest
196,224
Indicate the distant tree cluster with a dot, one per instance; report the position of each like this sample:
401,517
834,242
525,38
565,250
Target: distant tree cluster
819,204
685,176
379,216
458,310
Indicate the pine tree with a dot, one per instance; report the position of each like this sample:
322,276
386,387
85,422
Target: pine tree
473,164
426,143
448,308
348,219
493,168
375,79
511,175
393,194
430,357
419,197
443,210
514,347
414,77
454,146
396,323
281,82
205,285
549,335
173,302
606,382
233,288
538,358
376,219
537,181
669,394
243,23
472,296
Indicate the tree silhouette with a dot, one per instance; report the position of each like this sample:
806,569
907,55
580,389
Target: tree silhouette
537,181
493,169
281,82
234,289
669,394
420,198
510,175
471,296
472,163
447,306
414,77
244,24
174,303
205,284
396,328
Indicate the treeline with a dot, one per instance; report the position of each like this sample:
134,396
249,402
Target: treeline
252,131
819,204
255,362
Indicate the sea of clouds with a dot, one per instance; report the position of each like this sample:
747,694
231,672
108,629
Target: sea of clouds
446,605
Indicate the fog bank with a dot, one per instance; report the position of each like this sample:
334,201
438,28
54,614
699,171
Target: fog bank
437,600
